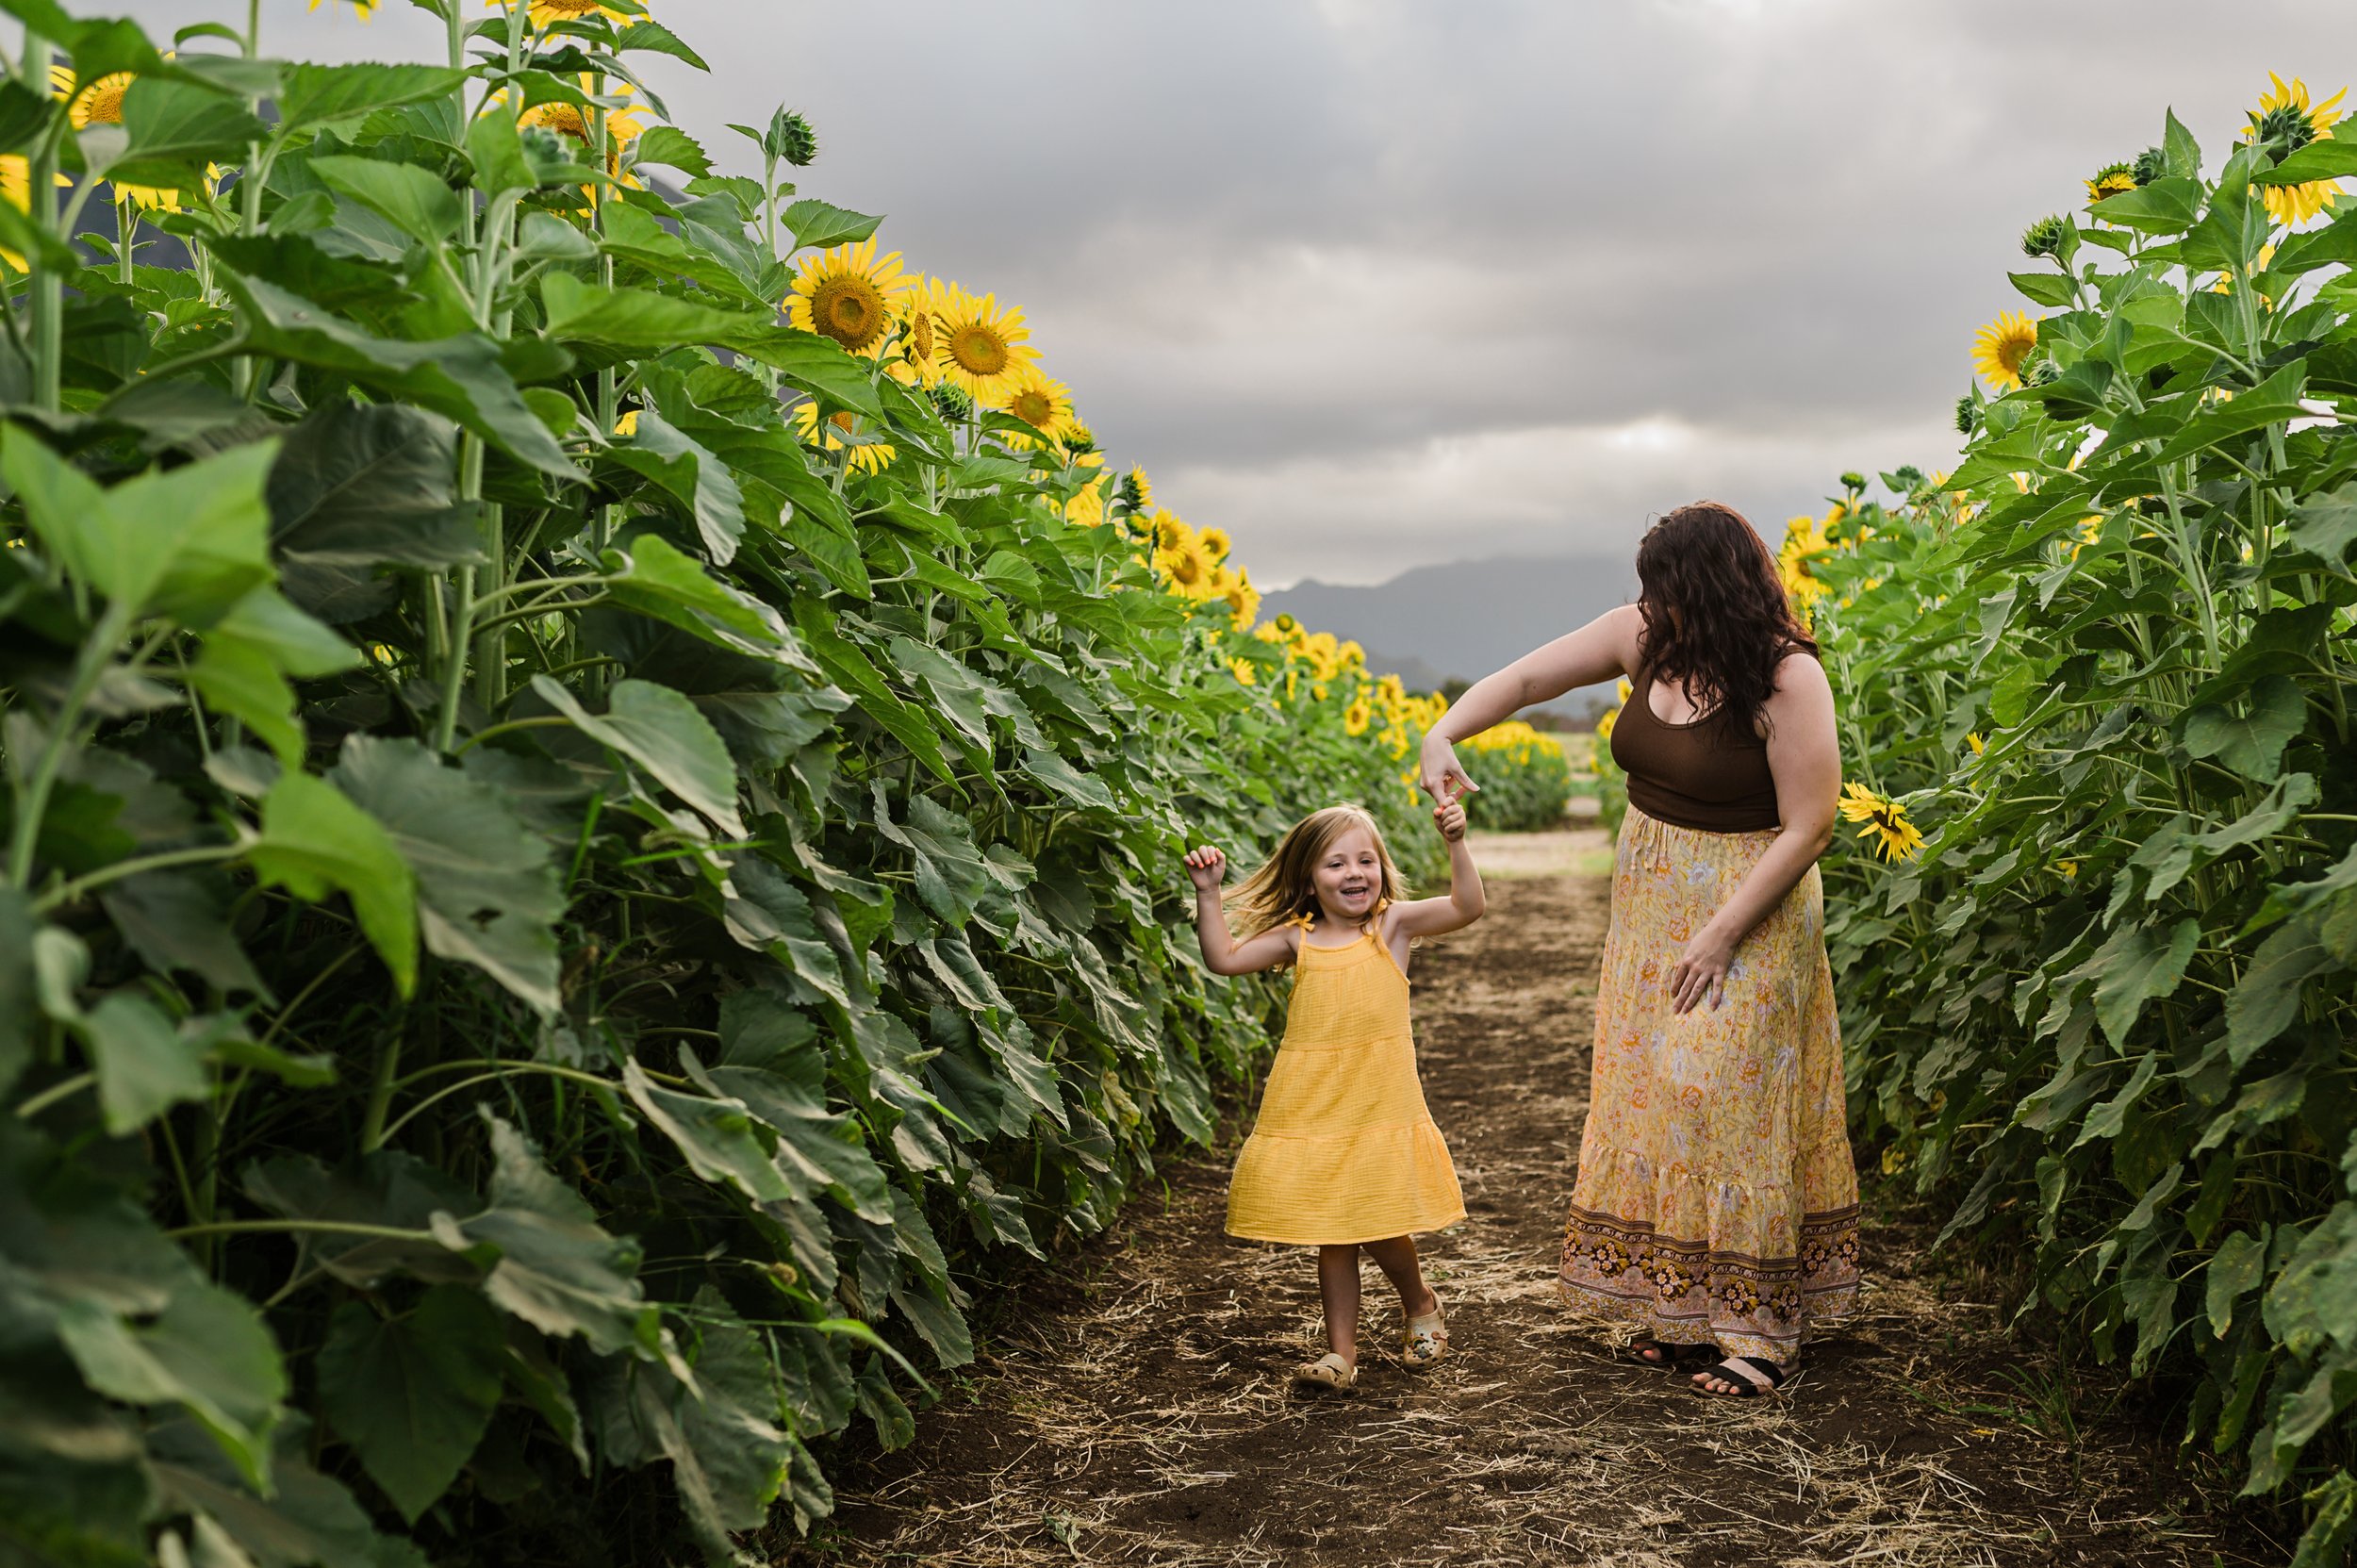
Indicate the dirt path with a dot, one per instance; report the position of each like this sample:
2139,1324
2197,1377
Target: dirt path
1131,1407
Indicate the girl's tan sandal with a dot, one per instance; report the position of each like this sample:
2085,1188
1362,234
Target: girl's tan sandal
1327,1370
1424,1342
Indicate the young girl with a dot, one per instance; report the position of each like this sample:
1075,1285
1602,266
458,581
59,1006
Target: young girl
1344,1155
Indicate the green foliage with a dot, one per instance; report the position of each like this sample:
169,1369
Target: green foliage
2107,666
544,959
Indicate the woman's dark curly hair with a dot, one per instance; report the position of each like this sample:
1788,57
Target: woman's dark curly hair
1715,618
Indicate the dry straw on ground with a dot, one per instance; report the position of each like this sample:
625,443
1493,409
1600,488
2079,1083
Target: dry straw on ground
1132,1406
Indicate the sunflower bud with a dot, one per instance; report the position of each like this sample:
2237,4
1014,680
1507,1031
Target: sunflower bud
790,138
2044,371
1132,493
2284,130
543,149
1854,482
2111,180
1967,413
1285,623
2150,164
1907,480
951,400
2045,236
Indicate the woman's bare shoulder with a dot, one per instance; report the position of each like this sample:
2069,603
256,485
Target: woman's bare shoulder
1801,673
1627,622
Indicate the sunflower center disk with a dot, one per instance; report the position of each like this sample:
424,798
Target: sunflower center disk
848,311
978,351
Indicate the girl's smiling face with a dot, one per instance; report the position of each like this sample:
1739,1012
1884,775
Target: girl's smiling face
1348,876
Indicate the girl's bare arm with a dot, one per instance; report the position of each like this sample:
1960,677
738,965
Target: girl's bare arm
1465,901
1222,953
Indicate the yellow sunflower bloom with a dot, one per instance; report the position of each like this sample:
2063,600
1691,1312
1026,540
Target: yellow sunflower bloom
866,458
1183,565
628,423
1039,401
1357,717
16,188
1215,543
1805,538
1244,599
982,346
1974,739
1086,508
1246,673
917,321
100,102
848,295
1137,490
1168,530
2003,347
2286,117
546,14
1605,726
1886,822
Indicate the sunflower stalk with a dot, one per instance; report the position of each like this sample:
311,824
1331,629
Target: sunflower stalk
48,290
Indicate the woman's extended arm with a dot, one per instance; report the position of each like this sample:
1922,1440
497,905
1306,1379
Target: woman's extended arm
1806,758
1604,648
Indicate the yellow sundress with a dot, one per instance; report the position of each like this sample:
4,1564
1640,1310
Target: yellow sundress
1343,1150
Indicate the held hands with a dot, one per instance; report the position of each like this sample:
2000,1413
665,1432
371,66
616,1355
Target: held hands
1441,777
1449,816
1206,867
1701,971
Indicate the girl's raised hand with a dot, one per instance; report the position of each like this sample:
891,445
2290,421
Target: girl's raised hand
1450,818
1206,867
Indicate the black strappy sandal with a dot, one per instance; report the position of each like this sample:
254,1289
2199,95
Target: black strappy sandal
1668,1356
1744,1388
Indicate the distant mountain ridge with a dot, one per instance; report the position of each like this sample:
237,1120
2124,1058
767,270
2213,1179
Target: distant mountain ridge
1464,618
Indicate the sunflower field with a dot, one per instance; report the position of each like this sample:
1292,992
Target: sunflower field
1525,778
2097,947
594,776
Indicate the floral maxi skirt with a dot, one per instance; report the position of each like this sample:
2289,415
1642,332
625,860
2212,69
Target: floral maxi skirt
1716,1201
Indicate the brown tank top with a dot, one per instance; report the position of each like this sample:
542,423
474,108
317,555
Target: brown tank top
1692,775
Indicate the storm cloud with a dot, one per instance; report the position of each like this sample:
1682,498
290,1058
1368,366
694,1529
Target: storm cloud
1374,284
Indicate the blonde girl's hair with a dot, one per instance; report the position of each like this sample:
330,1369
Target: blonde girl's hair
1283,889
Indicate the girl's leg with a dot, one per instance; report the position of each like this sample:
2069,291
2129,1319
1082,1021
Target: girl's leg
1396,1257
1338,1285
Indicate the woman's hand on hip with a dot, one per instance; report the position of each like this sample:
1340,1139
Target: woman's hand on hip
1701,971
1442,777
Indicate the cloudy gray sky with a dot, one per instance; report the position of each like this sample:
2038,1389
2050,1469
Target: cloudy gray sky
1379,283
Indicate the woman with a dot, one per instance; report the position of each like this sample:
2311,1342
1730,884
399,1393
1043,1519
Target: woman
1716,1203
